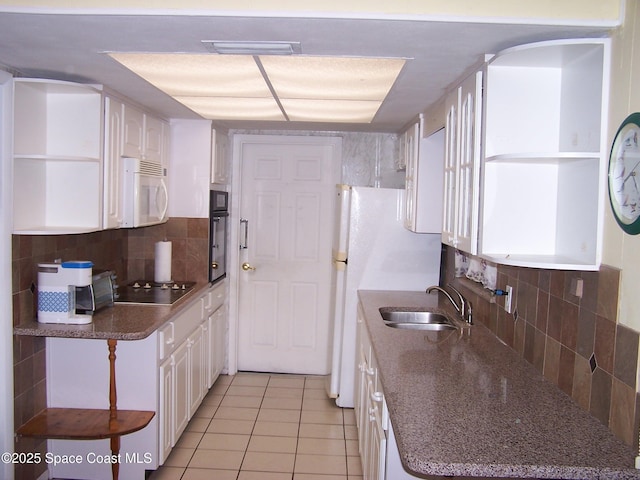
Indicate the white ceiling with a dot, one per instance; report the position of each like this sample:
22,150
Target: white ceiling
72,47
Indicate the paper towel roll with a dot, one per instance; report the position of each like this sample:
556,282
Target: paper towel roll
163,262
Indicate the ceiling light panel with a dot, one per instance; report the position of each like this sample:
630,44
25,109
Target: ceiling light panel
333,78
198,75
238,87
338,111
231,108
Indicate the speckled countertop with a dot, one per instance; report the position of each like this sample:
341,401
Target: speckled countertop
464,404
120,322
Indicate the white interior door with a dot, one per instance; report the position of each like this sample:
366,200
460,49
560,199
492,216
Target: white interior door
284,291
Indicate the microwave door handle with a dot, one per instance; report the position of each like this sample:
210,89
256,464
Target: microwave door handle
246,233
163,188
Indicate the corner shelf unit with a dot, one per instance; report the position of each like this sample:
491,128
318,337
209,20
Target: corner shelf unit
90,424
58,143
84,423
544,165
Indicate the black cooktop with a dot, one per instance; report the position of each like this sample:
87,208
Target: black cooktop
145,292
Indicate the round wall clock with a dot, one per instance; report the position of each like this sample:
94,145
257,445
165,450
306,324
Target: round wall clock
624,175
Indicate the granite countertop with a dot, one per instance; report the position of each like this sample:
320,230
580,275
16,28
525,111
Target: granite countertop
462,403
120,322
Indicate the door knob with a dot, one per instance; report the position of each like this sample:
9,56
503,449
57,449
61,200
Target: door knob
246,266
214,265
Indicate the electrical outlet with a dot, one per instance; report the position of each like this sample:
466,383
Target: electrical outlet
508,301
577,286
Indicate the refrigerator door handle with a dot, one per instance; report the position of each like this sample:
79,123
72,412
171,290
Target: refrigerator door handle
246,233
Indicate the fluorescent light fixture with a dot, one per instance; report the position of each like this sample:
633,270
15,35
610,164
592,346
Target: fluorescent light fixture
198,75
230,108
346,78
225,47
338,111
267,87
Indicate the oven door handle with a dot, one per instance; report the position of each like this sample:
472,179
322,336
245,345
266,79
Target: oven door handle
246,233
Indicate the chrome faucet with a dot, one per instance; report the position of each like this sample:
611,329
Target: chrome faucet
465,309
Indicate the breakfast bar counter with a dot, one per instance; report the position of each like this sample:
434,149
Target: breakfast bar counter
464,404
119,322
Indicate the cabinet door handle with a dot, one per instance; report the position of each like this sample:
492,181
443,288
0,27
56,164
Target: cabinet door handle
372,414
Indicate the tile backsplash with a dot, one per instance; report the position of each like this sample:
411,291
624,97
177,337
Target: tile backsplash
574,341
189,239
105,250
129,252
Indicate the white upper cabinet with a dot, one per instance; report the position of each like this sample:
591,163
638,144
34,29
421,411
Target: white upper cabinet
191,153
423,179
409,159
69,140
219,158
462,165
545,154
58,139
144,136
132,132
155,139
113,152
129,132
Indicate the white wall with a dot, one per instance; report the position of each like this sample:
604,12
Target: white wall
620,249
597,11
6,327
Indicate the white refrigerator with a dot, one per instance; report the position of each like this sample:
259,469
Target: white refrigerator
372,251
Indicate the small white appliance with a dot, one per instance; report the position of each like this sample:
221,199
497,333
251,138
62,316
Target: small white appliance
64,292
372,251
144,193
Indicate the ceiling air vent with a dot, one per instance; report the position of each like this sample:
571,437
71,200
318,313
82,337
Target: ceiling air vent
252,48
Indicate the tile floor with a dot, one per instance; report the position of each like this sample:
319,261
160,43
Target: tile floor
260,426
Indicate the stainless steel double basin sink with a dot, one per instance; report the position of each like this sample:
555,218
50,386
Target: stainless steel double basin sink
415,319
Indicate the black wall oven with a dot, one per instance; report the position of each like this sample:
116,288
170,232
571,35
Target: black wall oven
218,222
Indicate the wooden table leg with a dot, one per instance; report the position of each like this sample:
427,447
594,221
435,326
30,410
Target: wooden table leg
115,450
113,406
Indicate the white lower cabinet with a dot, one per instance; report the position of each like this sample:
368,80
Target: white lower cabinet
215,356
179,409
165,422
376,441
197,368
370,409
168,372
193,366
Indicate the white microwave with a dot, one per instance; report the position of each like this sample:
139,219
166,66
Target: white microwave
144,193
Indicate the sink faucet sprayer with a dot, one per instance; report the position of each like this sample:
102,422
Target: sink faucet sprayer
465,308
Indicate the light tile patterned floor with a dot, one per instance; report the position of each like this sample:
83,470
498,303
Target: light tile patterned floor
255,426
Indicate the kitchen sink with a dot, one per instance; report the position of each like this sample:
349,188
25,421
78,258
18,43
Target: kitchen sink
396,317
